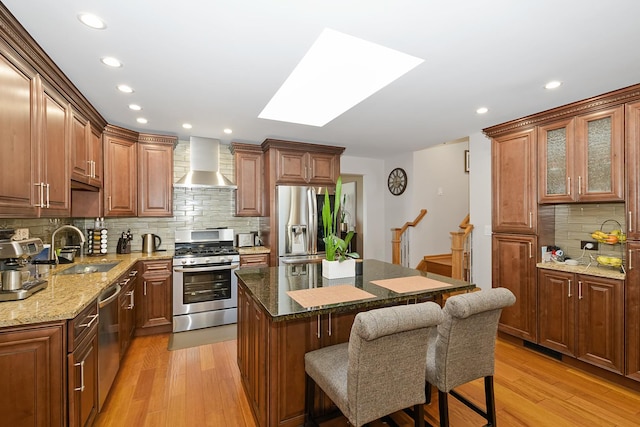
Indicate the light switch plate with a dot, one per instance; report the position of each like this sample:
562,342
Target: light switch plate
21,234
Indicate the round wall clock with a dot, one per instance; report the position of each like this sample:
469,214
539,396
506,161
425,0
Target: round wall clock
397,181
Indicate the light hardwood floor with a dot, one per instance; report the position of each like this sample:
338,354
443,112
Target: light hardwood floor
201,386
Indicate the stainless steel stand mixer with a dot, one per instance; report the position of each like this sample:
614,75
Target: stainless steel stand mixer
18,281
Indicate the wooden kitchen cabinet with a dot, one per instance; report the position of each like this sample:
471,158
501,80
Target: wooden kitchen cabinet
254,260
86,152
155,175
120,170
35,143
154,313
54,156
271,360
557,311
35,389
300,163
632,155
127,310
513,183
82,367
580,315
297,167
581,159
514,268
249,172
632,311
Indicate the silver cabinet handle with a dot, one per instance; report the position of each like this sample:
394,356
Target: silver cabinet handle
530,219
629,223
81,364
568,186
629,266
569,288
579,289
48,194
530,251
89,167
579,185
109,202
133,273
40,203
318,333
145,288
93,319
329,324
131,300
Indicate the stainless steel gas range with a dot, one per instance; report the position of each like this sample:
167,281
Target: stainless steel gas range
205,288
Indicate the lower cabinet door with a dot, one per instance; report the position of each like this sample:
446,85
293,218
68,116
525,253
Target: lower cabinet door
83,382
556,310
601,322
35,357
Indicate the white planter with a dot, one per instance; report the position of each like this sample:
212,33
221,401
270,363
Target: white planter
337,269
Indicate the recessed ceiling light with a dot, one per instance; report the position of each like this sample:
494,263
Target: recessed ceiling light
91,20
111,62
187,125
125,89
141,120
338,72
553,84
135,107
482,110
228,131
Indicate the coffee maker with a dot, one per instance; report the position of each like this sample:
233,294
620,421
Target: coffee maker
18,281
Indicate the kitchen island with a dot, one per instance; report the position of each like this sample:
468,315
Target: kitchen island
275,330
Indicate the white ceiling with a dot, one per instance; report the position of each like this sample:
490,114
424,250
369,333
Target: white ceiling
216,64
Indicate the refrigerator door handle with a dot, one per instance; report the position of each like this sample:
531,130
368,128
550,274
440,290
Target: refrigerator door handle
313,221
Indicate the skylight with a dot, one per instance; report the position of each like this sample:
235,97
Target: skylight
337,73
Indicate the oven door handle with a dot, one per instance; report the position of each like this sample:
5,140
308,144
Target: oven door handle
199,269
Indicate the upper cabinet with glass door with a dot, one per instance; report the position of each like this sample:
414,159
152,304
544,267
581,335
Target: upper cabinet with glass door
582,159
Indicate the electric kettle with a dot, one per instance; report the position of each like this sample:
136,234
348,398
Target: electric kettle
149,244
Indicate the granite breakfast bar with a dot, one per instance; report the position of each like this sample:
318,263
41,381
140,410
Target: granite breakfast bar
275,330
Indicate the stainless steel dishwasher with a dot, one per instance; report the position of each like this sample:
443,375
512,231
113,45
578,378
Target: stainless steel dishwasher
108,341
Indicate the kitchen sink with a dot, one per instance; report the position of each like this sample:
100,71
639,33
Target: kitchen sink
102,267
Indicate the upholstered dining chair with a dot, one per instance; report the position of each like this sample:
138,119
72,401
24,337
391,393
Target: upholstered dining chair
462,349
381,369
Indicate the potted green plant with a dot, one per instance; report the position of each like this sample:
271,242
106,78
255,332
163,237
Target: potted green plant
338,261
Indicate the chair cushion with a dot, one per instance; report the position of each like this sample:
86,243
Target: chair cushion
328,368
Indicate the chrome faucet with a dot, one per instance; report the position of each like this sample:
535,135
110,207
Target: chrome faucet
52,249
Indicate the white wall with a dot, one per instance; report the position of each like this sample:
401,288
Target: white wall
480,208
442,187
398,209
373,214
429,169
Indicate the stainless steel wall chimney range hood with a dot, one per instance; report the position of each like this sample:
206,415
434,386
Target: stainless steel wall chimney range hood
204,159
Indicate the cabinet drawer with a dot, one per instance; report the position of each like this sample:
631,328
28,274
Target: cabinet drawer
255,260
162,267
82,325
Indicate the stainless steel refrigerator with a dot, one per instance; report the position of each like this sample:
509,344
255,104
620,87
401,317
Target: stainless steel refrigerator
300,228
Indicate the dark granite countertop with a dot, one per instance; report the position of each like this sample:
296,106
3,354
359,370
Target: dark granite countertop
269,287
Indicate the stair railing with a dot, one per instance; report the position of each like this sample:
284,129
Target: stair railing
461,251
398,240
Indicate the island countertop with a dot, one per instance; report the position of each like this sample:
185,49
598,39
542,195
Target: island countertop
269,286
67,294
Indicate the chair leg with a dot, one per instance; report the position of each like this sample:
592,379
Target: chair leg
490,399
443,408
418,415
427,392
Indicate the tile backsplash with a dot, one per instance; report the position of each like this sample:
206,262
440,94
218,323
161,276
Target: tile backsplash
192,208
576,222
